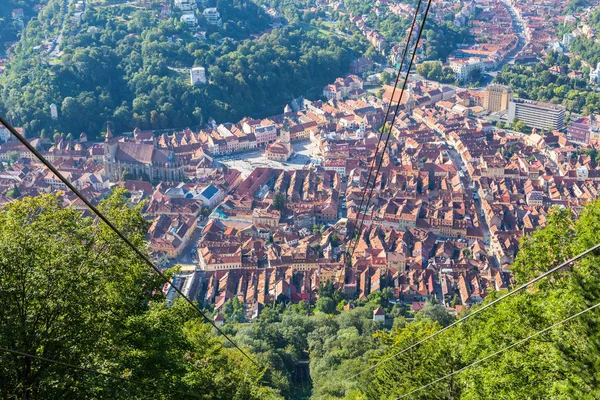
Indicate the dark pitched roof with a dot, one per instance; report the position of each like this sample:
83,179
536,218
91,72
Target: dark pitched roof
210,191
141,153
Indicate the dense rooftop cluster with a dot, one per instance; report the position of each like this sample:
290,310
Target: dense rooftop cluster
453,196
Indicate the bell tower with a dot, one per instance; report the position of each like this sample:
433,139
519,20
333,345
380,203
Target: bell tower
284,139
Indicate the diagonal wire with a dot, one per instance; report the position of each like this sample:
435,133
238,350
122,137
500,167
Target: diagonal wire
485,307
479,361
412,59
387,113
99,214
93,371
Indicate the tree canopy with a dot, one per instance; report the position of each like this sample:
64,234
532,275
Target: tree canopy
131,68
538,83
72,291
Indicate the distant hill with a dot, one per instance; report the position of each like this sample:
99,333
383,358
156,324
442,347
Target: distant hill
127,64
8,29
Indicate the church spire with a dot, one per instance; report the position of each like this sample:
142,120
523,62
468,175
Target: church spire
108,132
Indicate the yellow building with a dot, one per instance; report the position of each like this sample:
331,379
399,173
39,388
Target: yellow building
497,97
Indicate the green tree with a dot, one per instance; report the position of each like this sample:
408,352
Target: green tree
126,176
519,126
326,305
13,192
466,252
279,201
409,370
455,301
233,310
435,313
205,212
386,78
551,58
14,156
73,291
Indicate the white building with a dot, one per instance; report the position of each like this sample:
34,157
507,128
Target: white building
212,16
189,19
568,39
77,17
337,165
379,315
5,134
53,111
185,5
211,196
198,76
463,67
536,114
595,74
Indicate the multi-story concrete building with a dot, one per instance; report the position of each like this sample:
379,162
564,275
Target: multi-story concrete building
595,74
212,16
584,129
185,5
497,97
189,19
536,114
463,67
265,134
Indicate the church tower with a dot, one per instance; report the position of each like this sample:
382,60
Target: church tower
284,139
109,135
410,100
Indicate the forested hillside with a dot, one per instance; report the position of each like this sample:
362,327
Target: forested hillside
9,29
588,48
126,66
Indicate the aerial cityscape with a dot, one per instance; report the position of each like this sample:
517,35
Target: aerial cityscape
324,210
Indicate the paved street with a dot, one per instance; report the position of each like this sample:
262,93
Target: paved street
186,255
460,164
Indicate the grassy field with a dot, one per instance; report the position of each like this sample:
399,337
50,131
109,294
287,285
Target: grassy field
325,29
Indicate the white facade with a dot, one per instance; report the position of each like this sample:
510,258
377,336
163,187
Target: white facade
536,114
595,74
4,134
185,5
567,39
463,67
53,111
189,19
198,76
212,16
